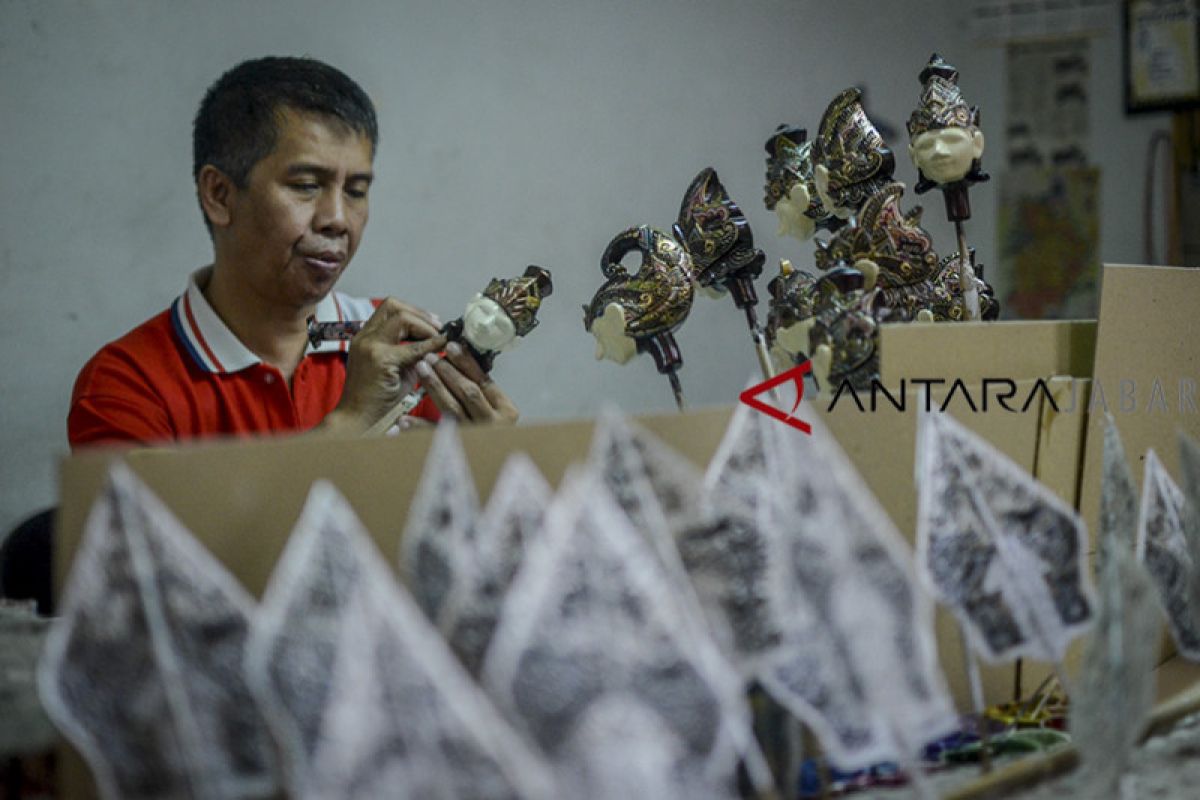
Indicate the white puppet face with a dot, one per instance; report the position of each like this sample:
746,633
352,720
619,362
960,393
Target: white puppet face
821,179
792,219
487,327
611,340
944,155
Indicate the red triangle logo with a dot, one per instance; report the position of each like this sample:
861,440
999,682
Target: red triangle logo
796,374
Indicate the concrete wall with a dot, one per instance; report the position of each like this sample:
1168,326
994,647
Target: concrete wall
512,133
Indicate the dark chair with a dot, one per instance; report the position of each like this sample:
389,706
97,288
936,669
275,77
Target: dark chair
26,561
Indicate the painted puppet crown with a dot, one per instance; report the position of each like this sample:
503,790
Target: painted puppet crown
788,162
521,297
941,104
851,148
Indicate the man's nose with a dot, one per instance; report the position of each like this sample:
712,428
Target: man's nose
330,217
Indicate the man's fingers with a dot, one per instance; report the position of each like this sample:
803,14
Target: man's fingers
442,397
395,321
506,410
391,306
407,327
413,352
466,391
464,363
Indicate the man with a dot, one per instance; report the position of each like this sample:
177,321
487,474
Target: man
283,153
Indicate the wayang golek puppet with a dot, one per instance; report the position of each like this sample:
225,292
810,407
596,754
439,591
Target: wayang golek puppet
494,321
712,250
717,236
640,312
790,190
831,320
895,253
946,144
851,161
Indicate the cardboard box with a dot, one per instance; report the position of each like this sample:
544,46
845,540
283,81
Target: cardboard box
242,499
1146,375
1147,370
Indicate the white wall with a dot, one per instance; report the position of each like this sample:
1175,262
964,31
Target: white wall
512,133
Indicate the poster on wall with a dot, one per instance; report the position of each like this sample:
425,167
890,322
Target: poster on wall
1049,241
1048,104
1005,21
1049,220
1162,55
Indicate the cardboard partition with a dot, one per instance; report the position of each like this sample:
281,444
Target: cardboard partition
882,442
1061,432
972,351
241,499
1147,370
1146,375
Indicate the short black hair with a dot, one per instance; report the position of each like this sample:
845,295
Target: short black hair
236,125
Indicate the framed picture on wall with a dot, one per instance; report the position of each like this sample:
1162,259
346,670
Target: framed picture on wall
1162,55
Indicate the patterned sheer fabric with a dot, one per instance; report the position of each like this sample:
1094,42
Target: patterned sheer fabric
1002,550
365,696
509,525
1163,546
593,640
1116,689
143,671
441,523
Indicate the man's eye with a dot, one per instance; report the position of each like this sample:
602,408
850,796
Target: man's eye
305,187
357,194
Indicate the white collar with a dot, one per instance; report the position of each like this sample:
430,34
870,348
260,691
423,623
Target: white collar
214,347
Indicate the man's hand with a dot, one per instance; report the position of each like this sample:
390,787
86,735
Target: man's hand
380,369
461,389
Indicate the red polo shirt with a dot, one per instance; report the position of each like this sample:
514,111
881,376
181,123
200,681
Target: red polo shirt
184,375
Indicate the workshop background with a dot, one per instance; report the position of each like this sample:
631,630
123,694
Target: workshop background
511,133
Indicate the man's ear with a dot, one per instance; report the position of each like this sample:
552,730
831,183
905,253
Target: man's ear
215,190
977,143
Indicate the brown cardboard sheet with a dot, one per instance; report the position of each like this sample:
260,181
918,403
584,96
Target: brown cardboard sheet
1147,370
1015,349
1146,375
241,499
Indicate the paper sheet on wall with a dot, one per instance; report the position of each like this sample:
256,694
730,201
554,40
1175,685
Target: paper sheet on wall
1162,51
1047,102
1001,21
1049,223
1049,237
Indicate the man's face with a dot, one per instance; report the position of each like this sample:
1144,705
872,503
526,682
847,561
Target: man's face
295,226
